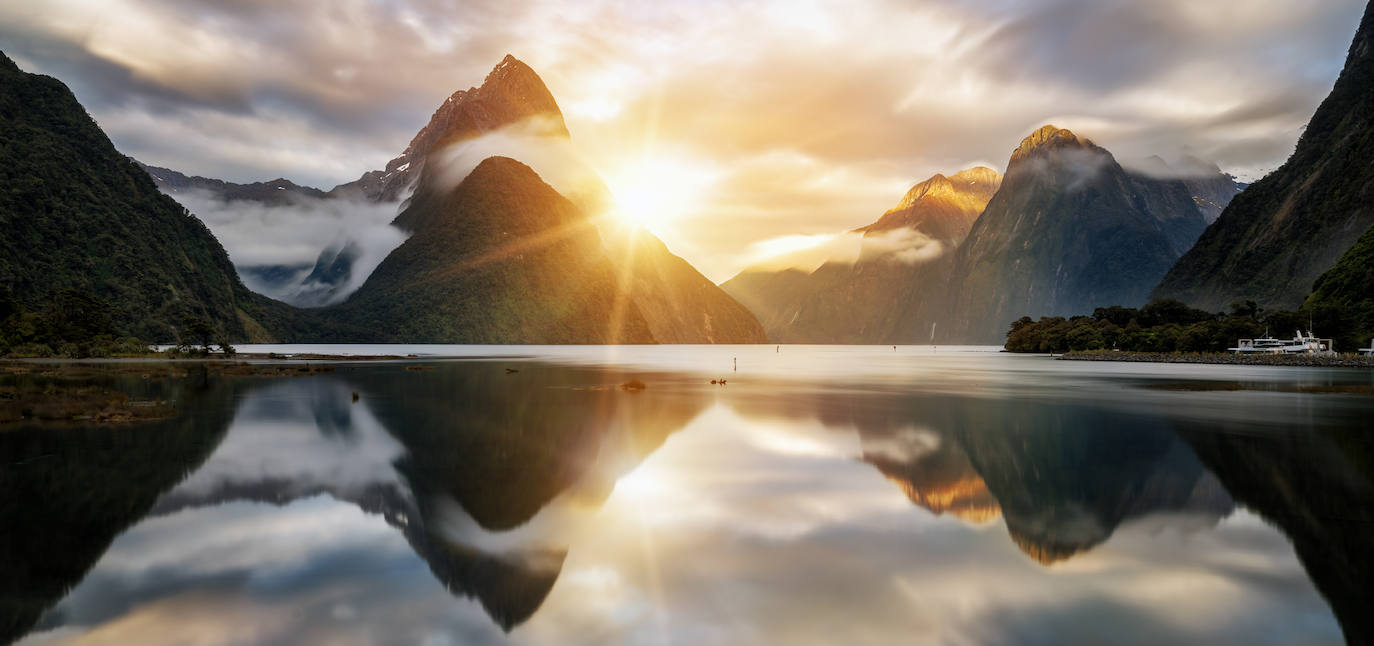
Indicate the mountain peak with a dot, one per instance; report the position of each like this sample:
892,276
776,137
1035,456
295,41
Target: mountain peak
1046,137
978,180
978,175
511,93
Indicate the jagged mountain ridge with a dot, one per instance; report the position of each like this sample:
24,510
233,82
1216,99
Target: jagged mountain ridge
1068,230
1282,232
1210,188
880,297
512,92
275,192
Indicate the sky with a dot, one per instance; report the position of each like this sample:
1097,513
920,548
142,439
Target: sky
754,123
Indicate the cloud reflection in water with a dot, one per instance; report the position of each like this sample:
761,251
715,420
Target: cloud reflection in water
452,507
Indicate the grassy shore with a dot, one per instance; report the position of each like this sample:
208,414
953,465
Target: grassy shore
1302,360
98,391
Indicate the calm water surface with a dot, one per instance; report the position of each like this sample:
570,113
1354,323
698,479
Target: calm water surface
824,495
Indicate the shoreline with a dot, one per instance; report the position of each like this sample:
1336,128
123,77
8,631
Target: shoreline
241,357
1292,360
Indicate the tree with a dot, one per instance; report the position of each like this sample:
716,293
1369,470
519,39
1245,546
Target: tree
198,332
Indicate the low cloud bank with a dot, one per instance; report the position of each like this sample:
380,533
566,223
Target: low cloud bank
275,247
808,252
553,157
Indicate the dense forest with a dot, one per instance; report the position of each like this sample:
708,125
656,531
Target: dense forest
1168,325
78,220
74,324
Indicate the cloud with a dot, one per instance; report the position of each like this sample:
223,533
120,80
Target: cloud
809,252
292,236
554,158
850,100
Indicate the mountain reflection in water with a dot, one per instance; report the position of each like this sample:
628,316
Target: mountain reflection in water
549,497
1062,476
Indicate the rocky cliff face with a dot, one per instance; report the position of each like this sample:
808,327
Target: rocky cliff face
1282,232
1069,230
884,296
511,93
1212,190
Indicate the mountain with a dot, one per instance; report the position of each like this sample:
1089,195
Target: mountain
92,483
677,303
942,208
78,215
674,302
1068,230
1061,478
278,202
882,296
1210,188
1315,483
1282,232
1345,289
501,258
275,192
512,93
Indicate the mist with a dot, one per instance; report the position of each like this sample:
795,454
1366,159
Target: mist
552,157
808,252
275,247
1184,168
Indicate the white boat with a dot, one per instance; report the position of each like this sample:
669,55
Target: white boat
1369,351
1299,344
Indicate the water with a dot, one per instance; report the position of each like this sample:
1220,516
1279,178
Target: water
823,495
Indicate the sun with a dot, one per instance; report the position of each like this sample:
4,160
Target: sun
655,191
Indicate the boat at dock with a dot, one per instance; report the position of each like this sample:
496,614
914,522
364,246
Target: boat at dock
1299,344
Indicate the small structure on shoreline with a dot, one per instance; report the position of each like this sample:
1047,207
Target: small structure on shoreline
1369,351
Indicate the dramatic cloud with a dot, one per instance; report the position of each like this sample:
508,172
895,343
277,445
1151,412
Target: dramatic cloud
275,247
810,117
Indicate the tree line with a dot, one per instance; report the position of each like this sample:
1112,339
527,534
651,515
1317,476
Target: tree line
1168,325
72,323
